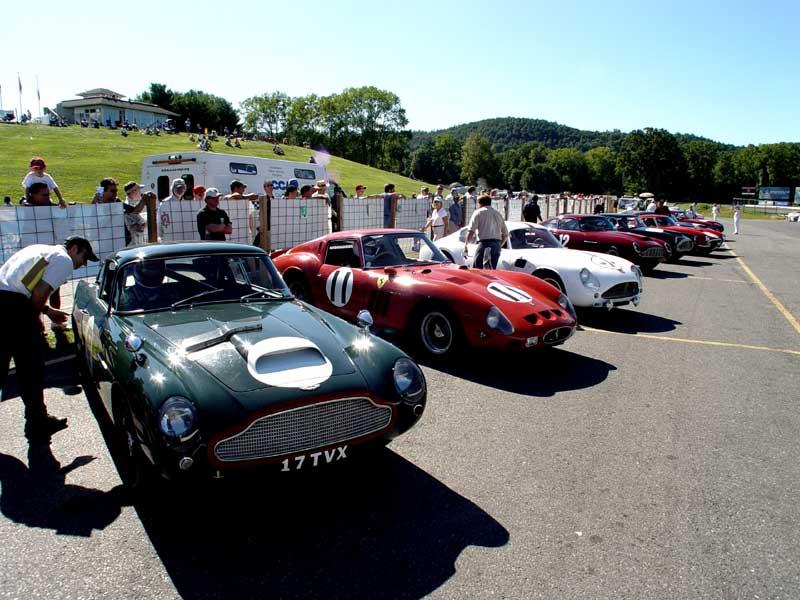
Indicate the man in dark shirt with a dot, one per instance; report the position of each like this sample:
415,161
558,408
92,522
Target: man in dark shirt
661,208
213,222
532,212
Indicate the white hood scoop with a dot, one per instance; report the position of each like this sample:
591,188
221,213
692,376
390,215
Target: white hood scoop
288,362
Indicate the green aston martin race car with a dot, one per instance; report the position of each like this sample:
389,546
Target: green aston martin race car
205,364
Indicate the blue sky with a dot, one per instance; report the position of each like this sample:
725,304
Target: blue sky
724,70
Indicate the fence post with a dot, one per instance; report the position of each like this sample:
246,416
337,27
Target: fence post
152,218
264,207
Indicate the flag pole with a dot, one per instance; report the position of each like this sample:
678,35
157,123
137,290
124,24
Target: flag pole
38,97
19,114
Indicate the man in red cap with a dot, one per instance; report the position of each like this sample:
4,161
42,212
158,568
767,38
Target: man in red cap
37,174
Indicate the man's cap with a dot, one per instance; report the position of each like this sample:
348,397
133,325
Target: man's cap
130,185
211,193
83,244
424,188
361,187
437,199
291,188
321,183
237,183
37,161
178,182
293,182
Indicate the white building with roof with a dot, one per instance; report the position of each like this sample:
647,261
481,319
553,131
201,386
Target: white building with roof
106,106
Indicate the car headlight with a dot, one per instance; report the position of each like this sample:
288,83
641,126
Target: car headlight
638,274
565,303
496,320
589,279
636,248
177,417
408,380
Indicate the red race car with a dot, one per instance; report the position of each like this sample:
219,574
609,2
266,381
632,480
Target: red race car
411,289
597,233
705,240
683,217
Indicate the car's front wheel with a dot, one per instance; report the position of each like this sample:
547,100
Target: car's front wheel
136,475
437,332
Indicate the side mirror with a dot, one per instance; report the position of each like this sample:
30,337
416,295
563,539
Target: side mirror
364,320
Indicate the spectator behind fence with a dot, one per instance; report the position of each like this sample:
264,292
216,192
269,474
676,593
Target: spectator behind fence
390,198
133,205
438,221
164,213
306,191
360,190
532,212
491,231
291,191
237,192
320,191
27,279
662,208
455,212
37,174
106,192
213,223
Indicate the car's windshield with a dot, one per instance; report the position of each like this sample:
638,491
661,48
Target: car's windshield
666,221
399,249
182,281
532,237
596,224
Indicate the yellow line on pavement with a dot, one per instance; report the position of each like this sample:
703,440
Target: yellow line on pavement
700,342
718,279
781,308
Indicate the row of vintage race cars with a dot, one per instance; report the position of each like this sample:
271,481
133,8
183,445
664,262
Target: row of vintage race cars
213,358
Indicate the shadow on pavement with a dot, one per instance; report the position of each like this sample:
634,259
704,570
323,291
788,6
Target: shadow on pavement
694,263
664,274
387,531
626,321
37,495
542,374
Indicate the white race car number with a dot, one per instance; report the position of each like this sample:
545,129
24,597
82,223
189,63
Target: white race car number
508,293
339,286
313,459
563,238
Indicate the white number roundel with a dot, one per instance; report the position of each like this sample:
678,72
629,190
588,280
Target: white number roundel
563,238
339,286
508,293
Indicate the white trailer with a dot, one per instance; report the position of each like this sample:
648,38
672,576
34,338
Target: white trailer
211,169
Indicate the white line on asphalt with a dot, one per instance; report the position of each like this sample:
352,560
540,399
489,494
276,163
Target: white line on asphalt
718,279
688,341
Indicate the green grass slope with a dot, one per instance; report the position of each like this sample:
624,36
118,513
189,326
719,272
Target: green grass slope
78,158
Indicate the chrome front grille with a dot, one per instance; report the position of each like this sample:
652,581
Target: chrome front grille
305,428
622,290
558,335
654,252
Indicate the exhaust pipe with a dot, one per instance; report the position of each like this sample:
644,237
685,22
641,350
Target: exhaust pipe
417,410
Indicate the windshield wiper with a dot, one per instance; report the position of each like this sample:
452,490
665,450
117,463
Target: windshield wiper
195,297
271,294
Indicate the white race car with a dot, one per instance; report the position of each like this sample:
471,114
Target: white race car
589,279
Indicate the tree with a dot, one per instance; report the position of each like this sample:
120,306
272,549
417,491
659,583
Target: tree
303,120
570,164
372,115
651,160
602,165
447,153
701,157
478,160
267,112
541,178
158,94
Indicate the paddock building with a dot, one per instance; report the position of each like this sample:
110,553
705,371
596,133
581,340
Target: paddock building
106,106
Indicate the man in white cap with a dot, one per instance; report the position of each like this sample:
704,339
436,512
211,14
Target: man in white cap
27,280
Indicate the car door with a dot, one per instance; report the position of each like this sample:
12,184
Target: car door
341,279
570,235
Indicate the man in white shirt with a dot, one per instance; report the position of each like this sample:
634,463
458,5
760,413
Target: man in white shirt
163,214
27,280
651,208
491,231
